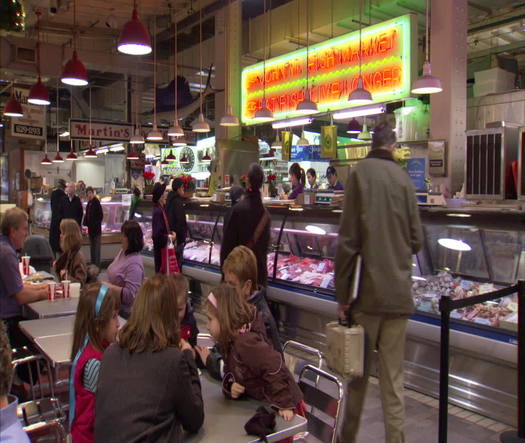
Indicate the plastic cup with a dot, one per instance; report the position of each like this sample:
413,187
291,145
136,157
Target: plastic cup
66,288
51,290
74,290
25,264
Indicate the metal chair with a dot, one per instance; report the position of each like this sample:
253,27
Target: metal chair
25,356
38,248
43,418
323,400
294,361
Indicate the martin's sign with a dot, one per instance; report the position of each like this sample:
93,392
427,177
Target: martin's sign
33,123
102,131
387,56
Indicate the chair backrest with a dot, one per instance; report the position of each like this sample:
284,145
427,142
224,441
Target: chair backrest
33,361
298,355
323,397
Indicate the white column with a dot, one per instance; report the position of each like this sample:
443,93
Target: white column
448,109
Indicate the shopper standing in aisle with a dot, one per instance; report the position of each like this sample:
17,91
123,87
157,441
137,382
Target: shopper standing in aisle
249,224
57,199
71,206
380,221
177,216
159,224
93,221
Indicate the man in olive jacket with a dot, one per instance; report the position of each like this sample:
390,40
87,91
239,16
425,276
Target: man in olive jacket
380,221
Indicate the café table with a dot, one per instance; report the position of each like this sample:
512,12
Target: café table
48,327
224,419
52,308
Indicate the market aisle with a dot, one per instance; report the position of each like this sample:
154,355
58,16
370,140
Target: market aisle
422,421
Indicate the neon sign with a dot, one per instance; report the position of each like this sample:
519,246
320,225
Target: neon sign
333,69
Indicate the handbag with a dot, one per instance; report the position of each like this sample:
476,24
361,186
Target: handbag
169,264
346,345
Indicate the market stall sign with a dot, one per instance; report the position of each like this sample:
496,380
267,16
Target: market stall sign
333,69
114,131
33,123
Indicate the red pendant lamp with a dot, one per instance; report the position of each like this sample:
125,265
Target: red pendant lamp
170,157
46,160
13,108
38,94
74,72
134,38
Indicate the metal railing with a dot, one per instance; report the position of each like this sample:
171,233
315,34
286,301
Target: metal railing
446,306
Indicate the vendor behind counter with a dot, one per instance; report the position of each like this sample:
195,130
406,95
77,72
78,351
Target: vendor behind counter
333,183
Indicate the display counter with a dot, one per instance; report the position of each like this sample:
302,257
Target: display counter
464,253
115,209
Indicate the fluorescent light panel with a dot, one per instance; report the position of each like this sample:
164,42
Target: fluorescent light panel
359,112
292,122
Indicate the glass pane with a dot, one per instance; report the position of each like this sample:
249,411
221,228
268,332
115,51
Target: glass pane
503,250
201,225
307,252
456,249
42,213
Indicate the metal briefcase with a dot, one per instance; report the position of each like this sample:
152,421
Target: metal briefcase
346,349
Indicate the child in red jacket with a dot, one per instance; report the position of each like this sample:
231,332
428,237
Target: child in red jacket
252,366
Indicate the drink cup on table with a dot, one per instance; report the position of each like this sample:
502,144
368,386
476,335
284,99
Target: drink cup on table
74,290
51,290
66,288
25,265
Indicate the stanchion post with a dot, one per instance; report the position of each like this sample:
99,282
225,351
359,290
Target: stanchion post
444,306
519,435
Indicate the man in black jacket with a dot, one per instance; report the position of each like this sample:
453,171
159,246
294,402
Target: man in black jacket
177,216
93,221
57,197
249,224
71,206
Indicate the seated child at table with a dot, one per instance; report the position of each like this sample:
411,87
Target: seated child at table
96,326
251,365
188,324
149,387
71,265
240,271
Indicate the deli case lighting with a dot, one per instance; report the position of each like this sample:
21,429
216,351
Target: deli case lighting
455,245
315,229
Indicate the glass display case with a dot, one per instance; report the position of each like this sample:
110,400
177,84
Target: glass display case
114,207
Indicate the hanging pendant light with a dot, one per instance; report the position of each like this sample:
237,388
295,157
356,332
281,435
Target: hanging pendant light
303,141
184,159
58,158
206,157
38,94
90,153
228,119
365,133
360,95
137,138
277,144
353,127
74,72
175,130
200,125
427,83
134,38
154,134
13,108
72,155
264,114
307,106
180,141
132,155
170,157
46,160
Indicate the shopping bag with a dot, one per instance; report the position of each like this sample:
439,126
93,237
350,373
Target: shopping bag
346,349
169,263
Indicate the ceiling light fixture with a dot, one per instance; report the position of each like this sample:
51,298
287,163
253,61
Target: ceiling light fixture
90,152
46,160
303,141
353,127
360,95
200,125
365,133
176,130
307,106
38,94
170,157
228,119
13,108
136,139
301,121
74,72
180,141
206,157
264,114
132,155
427,83
359,112
134,38
184,159
277,144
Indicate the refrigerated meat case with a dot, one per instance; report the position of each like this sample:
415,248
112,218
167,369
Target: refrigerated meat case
115,209
465,252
